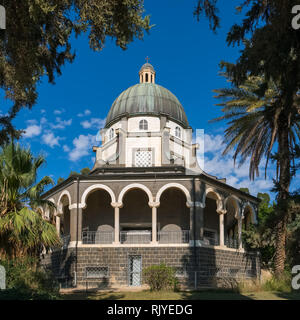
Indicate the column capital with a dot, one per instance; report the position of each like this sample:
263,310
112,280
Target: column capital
221,211
197,204
74,206
58,213
154,204
116,204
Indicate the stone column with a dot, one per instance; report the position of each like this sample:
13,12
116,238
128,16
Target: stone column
200,214
117,207
154,207
221,217
240,225
192,227
75,224
57,221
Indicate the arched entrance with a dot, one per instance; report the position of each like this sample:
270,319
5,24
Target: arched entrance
173,220
211,219
231,223
98,218
135,217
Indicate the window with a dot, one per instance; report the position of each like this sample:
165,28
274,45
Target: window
111,133
146,77
143,158
177,132
143,125
96,272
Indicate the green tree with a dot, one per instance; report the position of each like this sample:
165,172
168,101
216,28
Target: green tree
36,42
255,125
262,236
60,180
267,36
85,171
246,190
23,230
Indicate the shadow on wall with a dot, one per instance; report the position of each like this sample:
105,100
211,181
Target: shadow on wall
211,268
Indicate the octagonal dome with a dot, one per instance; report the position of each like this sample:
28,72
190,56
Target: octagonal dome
147,99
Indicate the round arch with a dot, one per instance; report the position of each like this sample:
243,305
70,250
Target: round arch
252,210
173,185
59,204
96,187
211,190
236,202
135,186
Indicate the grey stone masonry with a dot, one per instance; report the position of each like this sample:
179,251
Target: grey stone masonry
196,267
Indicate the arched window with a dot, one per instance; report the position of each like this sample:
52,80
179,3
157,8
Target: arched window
111,133
146,77
177,132
143,125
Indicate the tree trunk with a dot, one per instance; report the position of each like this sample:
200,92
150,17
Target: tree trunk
283,194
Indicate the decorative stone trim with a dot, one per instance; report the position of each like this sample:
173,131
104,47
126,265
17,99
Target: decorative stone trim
97,186
67,193
154,204
116,204
74,206
133,186
221,211
197,204
173,185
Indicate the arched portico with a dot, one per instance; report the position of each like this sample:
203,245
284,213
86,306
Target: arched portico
248,215
174,214
65,194
176,186
135,186
213,216
232,221
97,187
97,215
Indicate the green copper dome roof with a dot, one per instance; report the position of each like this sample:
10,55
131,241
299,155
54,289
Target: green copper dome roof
147,99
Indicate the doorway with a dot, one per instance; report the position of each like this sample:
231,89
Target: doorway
135,271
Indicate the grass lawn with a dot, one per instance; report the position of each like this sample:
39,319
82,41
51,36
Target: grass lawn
199,295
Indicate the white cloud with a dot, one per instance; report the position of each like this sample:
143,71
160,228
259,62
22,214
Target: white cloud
66,148
61,124
43,111
59,111
51,140
86,112
32,131
223,167
94,123
82,147
43,120
213,143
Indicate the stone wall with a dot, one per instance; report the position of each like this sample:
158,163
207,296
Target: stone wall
213,267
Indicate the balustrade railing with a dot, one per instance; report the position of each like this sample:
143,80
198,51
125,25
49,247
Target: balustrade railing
231,242
135,237
182,236
97,237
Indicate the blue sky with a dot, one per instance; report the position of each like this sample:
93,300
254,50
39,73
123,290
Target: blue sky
185,54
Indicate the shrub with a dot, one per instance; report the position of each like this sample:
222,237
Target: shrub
160,277
283,284
24,280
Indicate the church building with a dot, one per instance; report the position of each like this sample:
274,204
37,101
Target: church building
146,201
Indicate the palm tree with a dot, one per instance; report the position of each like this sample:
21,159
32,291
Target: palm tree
259,126
23,230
